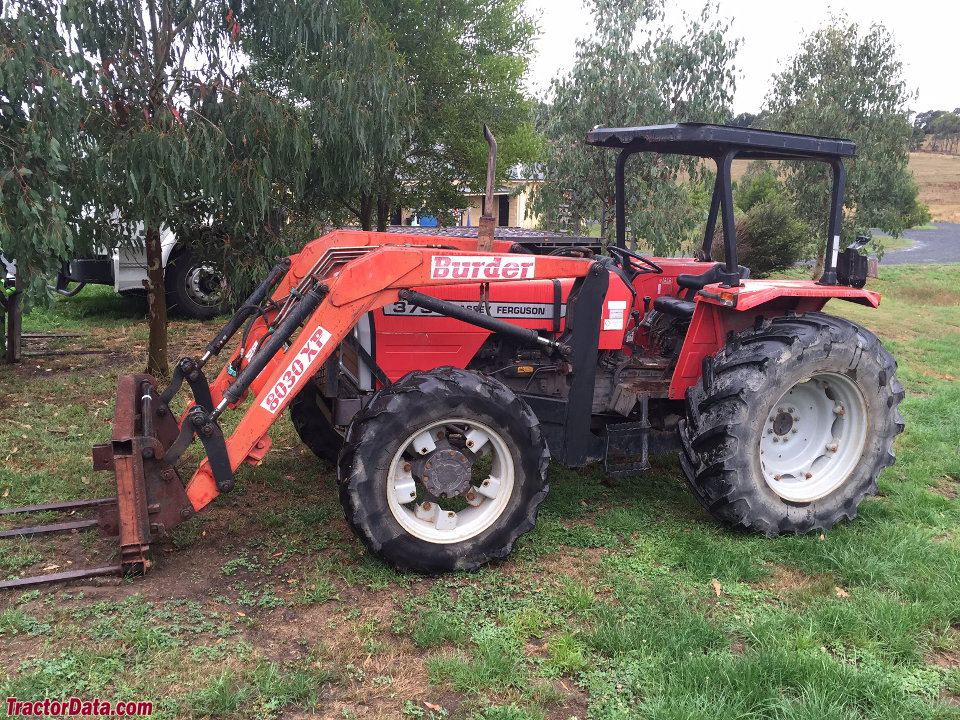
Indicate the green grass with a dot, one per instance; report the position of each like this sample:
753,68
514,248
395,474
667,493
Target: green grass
266,605
884,243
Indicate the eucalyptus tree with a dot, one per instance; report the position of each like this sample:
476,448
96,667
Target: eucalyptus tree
465,61
397,111
632,71
42,104
846,81
349,81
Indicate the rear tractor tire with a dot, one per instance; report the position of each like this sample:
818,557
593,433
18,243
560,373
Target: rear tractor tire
312,417
791,424
443,471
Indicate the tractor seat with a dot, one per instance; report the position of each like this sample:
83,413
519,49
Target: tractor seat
682,307
675,306
699,282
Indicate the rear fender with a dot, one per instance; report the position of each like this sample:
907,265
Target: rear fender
721,311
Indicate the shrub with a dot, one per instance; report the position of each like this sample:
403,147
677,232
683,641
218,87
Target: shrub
917,214
770,237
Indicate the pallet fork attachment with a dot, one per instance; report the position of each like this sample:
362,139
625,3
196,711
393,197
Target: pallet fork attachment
146,443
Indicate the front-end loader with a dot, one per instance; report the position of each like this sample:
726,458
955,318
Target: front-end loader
440,379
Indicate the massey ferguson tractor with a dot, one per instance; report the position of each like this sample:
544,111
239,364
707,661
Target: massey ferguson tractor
440,375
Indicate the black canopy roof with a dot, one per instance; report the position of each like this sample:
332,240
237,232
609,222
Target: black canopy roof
712,141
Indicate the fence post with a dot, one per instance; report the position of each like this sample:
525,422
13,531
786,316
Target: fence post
12,299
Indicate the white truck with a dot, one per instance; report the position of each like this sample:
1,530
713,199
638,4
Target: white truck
196,288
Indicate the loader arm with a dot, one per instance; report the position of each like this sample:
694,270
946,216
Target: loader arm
373,278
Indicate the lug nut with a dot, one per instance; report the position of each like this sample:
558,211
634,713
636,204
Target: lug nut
207,430
426,478
406,467
426,505
428,465
440,435
809,475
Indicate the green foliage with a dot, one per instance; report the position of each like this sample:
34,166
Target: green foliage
946,132
770,237
847,82
42,104
632,71
759,184
396,106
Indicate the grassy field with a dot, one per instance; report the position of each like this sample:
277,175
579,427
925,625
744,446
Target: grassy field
627,601
939,179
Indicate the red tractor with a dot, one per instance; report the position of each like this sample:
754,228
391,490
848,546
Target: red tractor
440,379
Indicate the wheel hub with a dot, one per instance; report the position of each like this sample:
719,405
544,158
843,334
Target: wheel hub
205,285
445,473
782,423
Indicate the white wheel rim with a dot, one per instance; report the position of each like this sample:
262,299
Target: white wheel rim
813,437
440,521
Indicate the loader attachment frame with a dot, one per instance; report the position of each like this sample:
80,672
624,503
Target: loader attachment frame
317,299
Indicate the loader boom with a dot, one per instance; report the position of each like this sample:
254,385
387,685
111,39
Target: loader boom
357,273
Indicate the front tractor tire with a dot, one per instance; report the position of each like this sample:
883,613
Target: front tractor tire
443,471
791,424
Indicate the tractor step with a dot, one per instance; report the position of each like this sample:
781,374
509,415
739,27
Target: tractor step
615,462
621,438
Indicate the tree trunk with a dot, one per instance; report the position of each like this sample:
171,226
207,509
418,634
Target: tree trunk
818,264
366,212
157,363
383,213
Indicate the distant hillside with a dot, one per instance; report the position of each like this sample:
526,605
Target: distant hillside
939,179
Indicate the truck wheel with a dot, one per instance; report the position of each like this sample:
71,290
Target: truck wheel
196,289
443,471
312,418
791,424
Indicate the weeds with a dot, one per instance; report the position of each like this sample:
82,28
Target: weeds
627,600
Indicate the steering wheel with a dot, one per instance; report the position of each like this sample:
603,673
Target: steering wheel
621,255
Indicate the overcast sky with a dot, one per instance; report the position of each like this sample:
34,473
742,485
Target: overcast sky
772,30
